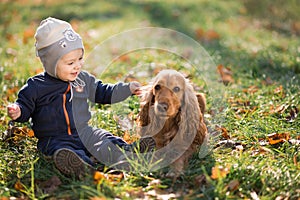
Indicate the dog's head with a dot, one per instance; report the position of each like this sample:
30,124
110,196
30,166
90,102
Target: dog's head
168,92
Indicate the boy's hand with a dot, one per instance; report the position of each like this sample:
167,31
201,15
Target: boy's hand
135,87
13,111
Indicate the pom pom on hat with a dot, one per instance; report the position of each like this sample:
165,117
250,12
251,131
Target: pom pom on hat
55,38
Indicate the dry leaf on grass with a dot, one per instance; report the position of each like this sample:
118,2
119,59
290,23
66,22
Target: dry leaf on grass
218,172
292,114
275,138
113,178
233,185
226,74
251,90
19,186
208,35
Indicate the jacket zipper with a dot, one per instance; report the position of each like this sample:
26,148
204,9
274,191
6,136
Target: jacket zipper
65,110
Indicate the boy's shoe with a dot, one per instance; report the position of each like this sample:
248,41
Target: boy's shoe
70,164
145,144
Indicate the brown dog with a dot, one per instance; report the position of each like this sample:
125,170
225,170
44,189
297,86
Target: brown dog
171,111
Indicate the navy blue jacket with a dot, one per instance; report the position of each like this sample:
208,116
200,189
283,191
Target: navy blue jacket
48,102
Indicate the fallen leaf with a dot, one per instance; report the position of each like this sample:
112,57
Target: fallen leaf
19,186
218,172
115,178
238,102
228,144
124,58
224,132
199,32
212,35
279,91
99,177
97,198
8,76
112,178
129,138
233,185
30,133
275,138
278,109
251,90
293,114
208,35
226,74
261,150
295,160
28,33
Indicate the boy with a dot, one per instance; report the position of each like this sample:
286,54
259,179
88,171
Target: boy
56,101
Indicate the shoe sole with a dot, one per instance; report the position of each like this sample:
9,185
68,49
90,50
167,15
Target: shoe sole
69,163
147,144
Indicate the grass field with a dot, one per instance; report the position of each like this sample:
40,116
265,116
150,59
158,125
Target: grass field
254,131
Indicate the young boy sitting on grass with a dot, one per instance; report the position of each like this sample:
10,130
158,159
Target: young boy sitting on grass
57,102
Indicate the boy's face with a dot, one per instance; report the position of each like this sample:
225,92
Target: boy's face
69,66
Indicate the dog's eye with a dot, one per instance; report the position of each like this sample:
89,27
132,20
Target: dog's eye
176,89
157,87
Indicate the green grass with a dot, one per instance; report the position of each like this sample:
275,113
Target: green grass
257,40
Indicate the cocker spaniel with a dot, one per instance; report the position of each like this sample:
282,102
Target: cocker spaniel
171,112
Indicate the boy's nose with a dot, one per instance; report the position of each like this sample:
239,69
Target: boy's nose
78,64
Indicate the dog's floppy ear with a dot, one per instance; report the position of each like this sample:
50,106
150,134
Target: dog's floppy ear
143,117
190,109
201,101
191,124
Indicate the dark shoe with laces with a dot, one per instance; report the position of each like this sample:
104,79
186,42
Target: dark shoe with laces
145,144
70,164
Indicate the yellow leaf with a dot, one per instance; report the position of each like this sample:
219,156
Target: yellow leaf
218,172
276,138
99,177
30,133
115,178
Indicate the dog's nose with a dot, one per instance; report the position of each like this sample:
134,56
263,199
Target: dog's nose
162,107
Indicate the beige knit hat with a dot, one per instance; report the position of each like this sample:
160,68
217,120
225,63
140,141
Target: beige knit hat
55,38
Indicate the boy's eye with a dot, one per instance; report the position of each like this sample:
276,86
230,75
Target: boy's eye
71,63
